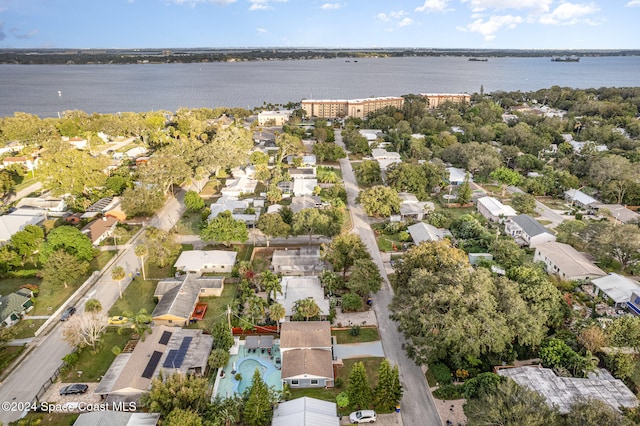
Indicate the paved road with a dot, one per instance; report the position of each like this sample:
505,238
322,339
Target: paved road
418,407
36,186
24,382
545,212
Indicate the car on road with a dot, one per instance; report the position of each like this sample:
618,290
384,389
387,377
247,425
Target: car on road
118,320
66,314
363,416
75,389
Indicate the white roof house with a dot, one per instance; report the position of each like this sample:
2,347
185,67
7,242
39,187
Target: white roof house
17,220
494,210
566,262
239,186
580,198
564,391
424,232
236,207
298,288
619,213
616,287
306,411
304,186
411,208
457,176
198,261
277,118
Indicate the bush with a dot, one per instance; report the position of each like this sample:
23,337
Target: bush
355,330
238,376
351,302
483,383
449,391
342,400
441,372
70,359
338,383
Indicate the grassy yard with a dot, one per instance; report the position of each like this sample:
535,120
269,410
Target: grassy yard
100,261
94,366
49,419
8,354
217,307
128,232
189,224
367,334
244,252
27,327
51,298
137,296
318,393
211,188
9,285
387,242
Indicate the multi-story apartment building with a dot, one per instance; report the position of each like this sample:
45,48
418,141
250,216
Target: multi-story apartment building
436,99
358,108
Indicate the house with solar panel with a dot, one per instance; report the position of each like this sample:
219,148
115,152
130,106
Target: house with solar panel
167,349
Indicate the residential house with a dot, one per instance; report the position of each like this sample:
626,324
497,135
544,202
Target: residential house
372,135
304,181
305,202
27,162
306,411
14,305
411,208
617,288
565,391
307,356
298,261
167,349
618,213
527,231
17,220
566,262
203,261
421,232
100,229
634,302
580,199
177,298
308,160
385,158
274,118
240,209
136,152
457,176
238,187
116,418
494,210
76,142
296,288
54,205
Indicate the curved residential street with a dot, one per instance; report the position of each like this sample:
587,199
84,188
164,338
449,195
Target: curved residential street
417,405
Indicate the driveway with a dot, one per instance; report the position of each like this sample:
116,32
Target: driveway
358,350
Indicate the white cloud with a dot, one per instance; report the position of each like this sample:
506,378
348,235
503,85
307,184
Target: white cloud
330,6
488,28
398,14
633,3
405,22
534,5
569,14
195,2
261,4
382,17
433,6
261,30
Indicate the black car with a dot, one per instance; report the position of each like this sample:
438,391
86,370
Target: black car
67,313
75,389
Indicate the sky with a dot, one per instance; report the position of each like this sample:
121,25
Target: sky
481,24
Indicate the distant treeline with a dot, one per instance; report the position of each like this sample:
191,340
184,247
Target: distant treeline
132,56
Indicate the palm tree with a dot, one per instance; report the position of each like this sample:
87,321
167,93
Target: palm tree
118,274
276,313
307,308
271,283
141,251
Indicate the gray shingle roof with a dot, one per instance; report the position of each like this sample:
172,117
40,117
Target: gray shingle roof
529,225
180,300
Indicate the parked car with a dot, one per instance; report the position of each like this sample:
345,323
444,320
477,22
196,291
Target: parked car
363,416
66,314
118,320
74,389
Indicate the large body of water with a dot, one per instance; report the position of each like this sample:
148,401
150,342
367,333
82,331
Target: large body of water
45,90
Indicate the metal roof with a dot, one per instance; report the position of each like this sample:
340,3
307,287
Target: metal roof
305,411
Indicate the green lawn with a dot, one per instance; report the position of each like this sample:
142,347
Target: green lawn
244,252
9,285
367,334
387,242
101,260
51,297
27,327
8,354
217,307
189,224
94,366
49,419
211,188
137,296
129,231
318,393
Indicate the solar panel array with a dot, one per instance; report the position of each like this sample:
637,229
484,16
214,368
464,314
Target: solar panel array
175,357
151,365
165,337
